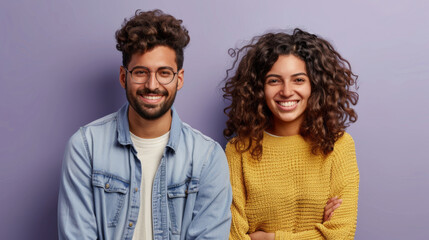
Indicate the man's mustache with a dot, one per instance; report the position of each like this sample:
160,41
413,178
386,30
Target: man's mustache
146,91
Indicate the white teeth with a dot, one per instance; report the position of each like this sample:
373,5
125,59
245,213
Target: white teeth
152,97
288,103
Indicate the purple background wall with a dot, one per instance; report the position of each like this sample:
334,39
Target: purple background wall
59,70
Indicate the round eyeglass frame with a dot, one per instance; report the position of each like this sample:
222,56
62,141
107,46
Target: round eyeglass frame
156,74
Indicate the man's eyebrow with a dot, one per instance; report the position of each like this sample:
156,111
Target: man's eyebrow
166,67
162,67
139,66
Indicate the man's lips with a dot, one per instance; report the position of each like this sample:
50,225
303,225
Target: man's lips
151,98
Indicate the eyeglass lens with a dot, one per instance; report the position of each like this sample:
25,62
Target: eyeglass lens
163,75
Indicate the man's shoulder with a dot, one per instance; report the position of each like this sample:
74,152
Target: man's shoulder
108,119
104,128
99,127
205,153
197,136
103,125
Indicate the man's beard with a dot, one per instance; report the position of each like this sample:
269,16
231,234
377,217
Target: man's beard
141,108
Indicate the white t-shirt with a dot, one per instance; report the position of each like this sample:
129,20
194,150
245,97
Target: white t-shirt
149,152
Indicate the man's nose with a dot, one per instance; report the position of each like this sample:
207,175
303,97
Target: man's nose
152,82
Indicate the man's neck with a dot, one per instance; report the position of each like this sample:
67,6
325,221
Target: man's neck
145,128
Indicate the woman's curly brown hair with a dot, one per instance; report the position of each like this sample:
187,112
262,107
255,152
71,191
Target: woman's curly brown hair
329,110
146,30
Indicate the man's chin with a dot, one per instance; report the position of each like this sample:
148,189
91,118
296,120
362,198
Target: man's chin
152,113
150,107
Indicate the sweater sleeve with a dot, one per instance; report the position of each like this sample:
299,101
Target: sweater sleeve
239,225
345,185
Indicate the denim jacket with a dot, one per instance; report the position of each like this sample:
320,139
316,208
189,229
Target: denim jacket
99,194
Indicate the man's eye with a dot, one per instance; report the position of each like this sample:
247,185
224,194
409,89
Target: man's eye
164,73
140,73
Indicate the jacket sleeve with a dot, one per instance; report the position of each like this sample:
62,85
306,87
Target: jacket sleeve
76,218
345,185
239,225
212,218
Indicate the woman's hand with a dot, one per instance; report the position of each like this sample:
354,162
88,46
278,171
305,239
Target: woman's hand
261,235
331,205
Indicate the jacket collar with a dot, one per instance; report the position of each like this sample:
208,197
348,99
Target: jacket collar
123,128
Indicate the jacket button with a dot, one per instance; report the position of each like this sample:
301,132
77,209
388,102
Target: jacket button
136,189
107,185
131,224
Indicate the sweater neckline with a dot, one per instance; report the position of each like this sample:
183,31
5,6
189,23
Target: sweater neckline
274,140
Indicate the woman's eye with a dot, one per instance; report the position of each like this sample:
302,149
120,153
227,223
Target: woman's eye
299,80
273,81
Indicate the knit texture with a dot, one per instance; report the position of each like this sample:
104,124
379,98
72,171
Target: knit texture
285,192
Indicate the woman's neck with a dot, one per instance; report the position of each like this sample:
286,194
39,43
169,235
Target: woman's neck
281,128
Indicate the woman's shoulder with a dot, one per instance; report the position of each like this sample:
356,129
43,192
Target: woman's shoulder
236,144
344,149
231,143
238,149
345,167
345,140
231,147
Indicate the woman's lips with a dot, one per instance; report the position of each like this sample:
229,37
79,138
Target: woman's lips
288,105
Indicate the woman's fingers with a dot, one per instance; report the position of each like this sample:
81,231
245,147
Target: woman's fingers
330,207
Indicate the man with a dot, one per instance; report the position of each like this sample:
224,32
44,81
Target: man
141,173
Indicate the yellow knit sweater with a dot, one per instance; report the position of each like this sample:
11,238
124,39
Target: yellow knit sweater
285,192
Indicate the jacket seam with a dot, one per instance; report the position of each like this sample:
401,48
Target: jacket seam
207,160
85,143
104,173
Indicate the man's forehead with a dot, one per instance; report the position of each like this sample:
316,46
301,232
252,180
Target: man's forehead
154,58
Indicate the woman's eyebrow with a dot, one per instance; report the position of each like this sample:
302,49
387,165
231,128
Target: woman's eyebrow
293,75
273,75
298,74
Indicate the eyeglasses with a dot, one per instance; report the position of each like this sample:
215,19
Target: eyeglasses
140,75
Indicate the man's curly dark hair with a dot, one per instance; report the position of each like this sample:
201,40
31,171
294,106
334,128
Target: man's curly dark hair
146,30
329,111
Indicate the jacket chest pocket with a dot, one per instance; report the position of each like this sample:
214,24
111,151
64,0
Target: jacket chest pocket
177,202
111,191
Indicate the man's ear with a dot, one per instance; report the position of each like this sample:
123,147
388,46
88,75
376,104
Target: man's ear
122,76
180,77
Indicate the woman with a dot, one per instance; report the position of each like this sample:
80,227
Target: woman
291,101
